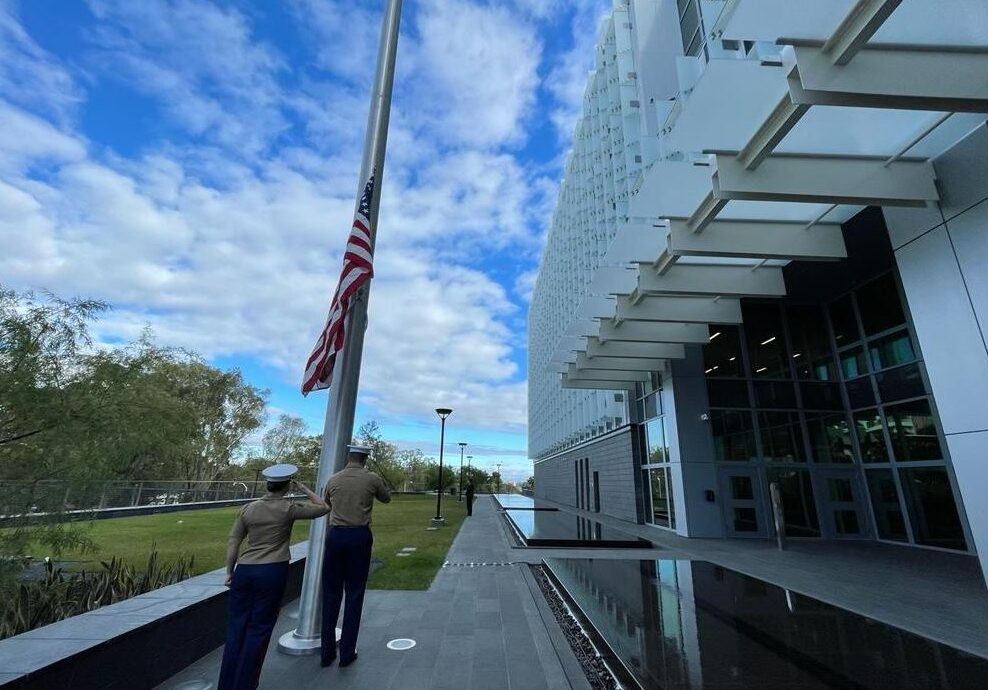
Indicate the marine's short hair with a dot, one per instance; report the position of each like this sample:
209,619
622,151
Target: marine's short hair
277,487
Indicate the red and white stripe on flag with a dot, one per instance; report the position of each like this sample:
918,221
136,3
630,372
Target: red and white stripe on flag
358,269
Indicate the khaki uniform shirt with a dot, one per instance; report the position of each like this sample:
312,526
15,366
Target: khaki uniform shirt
351,493
267,525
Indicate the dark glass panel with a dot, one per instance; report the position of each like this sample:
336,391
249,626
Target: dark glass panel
722,353
900,384
860,393
669,498
840,489
725,393
846,522
885,502
821,396
880,306
734,435
853,363
830,438
844,324
655,433
745,520
652,405
742,488
811,355
775,394
891,350
766,342
661,497
913,431
868,425
932,509
782,437
798,506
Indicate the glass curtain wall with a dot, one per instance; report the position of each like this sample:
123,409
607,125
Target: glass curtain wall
656,472
826,398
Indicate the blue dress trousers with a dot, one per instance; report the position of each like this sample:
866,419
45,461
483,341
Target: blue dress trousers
345,568
255,599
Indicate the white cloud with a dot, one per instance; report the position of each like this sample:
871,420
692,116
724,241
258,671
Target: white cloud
227,243
477,69
28,75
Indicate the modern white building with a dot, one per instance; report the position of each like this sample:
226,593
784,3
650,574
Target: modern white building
768,265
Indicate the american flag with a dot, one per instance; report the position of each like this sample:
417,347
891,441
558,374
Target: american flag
358,269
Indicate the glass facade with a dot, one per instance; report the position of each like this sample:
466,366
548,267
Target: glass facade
830,402
656,472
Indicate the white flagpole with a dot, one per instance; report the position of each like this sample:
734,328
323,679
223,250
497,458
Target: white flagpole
338,431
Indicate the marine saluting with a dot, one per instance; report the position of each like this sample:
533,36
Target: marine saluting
257,577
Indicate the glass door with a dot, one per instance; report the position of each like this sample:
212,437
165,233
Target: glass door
743,502
842,504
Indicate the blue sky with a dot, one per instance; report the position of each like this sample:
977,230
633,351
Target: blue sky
194,163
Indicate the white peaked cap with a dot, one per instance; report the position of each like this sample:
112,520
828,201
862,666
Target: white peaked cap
281,472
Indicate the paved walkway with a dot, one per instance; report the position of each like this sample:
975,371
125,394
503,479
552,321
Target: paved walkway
936,594
477,627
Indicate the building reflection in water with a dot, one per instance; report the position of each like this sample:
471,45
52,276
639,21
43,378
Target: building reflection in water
691,624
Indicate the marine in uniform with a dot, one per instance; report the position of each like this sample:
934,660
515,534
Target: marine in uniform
350,494
257,576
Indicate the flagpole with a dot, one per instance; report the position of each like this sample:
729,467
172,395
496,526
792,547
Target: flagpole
341,408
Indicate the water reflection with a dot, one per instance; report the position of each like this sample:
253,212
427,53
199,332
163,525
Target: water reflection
691,624
519,502
562,528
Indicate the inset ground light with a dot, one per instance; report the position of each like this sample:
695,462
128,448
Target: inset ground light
401,644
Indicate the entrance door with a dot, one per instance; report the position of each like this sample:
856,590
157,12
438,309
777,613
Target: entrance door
842,502
743,503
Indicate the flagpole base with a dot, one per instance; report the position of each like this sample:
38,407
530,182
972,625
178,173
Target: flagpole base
293,644
439,522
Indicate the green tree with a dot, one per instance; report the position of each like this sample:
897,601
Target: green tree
528,485
414,465
480,478
384,458
432,476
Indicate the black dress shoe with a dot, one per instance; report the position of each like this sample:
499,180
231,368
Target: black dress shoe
346,662
327,661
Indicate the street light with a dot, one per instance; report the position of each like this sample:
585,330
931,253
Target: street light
499,477
459,492
470,466
443,413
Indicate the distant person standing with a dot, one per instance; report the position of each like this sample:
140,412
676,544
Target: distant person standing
350,495
470,498
257,576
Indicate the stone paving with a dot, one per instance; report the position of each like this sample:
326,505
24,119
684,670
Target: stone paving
482,625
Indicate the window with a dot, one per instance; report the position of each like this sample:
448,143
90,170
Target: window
727,393
662,501
868,425
734,435
860,393
853,363
821,396
775,394
901,383
879,305
766,341
811,344
658,448
885,503
782,437
722,353
913,432
844,323
931,506
798,505
830,438
891,350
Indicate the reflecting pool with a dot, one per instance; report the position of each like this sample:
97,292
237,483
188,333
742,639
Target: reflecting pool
519,502
691,624
562,528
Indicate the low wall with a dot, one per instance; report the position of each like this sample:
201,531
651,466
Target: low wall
132,645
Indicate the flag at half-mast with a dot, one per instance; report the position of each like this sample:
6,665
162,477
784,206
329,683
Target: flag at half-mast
358,269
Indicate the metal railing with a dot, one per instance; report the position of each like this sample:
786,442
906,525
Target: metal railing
55,495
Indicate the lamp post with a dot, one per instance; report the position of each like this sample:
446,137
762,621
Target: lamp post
470,468
443,413
499,477
459,492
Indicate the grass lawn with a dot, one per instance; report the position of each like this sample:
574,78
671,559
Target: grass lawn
203,533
